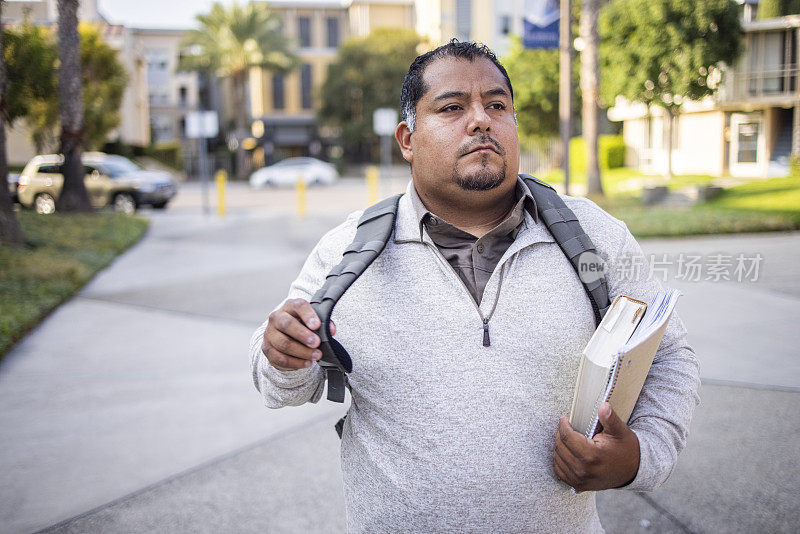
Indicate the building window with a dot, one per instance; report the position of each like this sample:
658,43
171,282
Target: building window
277,91
183,96
305,86
333,32
747,142
304,31
505,25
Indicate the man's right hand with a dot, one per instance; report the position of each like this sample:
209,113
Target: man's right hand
289,341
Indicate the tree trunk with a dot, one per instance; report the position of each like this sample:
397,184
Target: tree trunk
590,81
10,230
74,196
670,125
240,90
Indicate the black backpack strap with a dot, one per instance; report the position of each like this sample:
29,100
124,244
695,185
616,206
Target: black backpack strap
372,233
568,233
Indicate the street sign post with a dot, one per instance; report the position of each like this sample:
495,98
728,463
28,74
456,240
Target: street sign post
202,125
384,122
546,24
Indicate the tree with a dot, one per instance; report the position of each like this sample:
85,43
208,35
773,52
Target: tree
768,9
31,56
367,74
534,74
232,40
664,52
104,81
590,84
74,196
10,230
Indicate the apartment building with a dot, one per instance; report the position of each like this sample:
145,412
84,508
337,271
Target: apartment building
751,125
283,107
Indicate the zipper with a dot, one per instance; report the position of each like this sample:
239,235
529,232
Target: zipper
487,342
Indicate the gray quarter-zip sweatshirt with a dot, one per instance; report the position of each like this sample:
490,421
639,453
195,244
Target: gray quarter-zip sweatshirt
445,434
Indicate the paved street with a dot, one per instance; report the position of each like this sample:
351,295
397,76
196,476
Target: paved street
131,408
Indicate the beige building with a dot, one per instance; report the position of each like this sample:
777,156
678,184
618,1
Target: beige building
749,128
171,94
45,12
491,22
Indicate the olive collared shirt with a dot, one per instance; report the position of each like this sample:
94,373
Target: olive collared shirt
472,258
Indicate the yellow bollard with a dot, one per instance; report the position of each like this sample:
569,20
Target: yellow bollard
372,185
301,196
222,178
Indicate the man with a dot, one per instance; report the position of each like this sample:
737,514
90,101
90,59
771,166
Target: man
466,334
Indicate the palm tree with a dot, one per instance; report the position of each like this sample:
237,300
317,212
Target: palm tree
228,43
74,196
10,231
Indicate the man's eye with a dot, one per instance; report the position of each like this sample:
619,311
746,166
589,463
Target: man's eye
497,105
452,107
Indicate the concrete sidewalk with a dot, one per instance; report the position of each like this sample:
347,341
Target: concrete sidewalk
131,409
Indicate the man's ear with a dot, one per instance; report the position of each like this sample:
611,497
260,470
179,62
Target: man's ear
403,136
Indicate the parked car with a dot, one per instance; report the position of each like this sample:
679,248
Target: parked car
110,180
287,172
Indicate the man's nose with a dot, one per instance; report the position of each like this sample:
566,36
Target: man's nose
479,119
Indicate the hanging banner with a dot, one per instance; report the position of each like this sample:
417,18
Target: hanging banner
540,24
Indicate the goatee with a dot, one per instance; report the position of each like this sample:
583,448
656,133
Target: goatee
482,180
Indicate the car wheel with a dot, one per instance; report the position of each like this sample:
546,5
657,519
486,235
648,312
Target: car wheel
159,205
44,203
124,203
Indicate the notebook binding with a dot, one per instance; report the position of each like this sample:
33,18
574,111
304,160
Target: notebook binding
614,376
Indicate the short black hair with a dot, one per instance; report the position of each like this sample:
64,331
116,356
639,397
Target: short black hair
414,86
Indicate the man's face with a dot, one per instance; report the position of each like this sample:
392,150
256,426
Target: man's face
465,138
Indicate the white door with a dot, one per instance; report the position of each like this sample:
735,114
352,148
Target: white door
747,145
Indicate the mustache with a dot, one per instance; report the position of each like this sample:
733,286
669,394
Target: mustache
484,140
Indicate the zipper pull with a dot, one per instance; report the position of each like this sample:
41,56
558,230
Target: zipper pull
486,341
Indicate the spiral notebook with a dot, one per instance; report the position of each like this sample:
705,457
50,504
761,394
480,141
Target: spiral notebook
615,362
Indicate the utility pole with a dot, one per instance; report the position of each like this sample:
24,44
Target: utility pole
565,87
590,82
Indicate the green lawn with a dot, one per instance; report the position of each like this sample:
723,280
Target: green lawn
63,252
759,205
623,180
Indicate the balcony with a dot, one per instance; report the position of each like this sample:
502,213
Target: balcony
767,72
774,86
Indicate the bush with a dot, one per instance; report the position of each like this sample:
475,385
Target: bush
611,152
167,153
124,149
794,166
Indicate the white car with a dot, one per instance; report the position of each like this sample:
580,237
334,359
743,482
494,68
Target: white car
287,172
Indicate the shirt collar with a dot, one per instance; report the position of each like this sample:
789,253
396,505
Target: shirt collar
522,195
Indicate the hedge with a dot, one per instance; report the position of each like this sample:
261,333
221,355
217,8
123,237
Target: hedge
611,152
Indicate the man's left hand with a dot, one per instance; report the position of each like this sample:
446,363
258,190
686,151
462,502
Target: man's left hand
609,460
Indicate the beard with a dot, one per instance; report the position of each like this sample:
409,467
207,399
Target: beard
482,180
